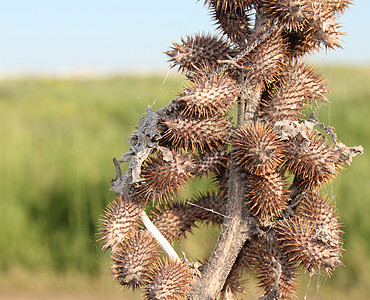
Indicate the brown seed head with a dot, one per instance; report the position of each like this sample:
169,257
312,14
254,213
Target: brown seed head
169,280
304,242
211,162
266,194
120,221
208,96
263,64
197,52
161,177
273,267
257,148
292,14
298,86
232,20
195,134
176,219
312,159
132,260
321,212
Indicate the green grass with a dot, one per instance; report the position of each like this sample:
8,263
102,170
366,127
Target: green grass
57,141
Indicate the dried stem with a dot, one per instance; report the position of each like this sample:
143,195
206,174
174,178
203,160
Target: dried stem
237,227
161,240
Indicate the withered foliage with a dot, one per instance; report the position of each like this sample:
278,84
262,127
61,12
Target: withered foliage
257,63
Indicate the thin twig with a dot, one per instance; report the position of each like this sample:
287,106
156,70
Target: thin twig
208,209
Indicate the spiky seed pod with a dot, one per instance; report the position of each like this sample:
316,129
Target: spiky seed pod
314,17
208,96
300,240
211,162
326,31
312,85
298,86
266,194
232,21
169,280
132,260
230,5
120,221
264,63
300,43
176,219
273,267
321,212
197,52
257,148
196,134
339,6
161,177
312,159
292,14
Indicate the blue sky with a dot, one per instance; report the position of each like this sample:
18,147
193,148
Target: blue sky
61,36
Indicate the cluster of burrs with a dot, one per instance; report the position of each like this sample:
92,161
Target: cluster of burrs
256,63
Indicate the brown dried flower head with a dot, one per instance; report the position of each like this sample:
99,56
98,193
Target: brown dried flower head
211,162
263,64
175,220
320,211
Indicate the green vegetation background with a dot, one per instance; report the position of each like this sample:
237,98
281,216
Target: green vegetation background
57,141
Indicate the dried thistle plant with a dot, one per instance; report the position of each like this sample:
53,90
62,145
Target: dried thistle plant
270,225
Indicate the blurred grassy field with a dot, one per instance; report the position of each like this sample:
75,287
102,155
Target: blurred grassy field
57,141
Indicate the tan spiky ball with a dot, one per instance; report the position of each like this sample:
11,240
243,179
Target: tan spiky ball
208,96
319,210
302,241
298,86
196,52
120,222
133,259
232,20
292,14
312,159
168,280
176,219
195,134
274,270
211,162
266,194
257,148
162,177
263,64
